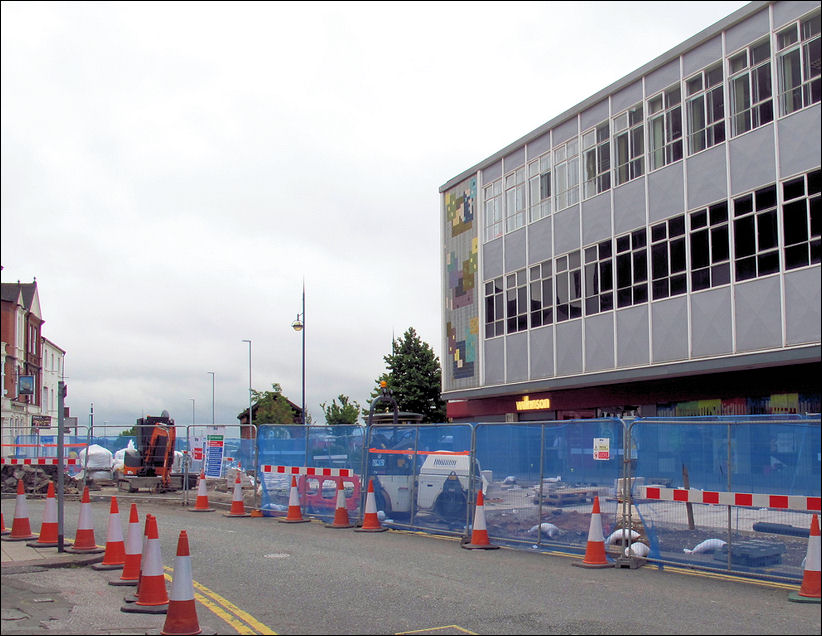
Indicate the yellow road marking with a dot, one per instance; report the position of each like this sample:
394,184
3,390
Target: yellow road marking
434,629
220,604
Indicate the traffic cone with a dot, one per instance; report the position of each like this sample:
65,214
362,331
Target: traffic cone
132,598
20,526
809,592
84,541
370,521
152,596
479,533
341,513
182,613
294,515
595,550
133,551
48,529
115,556
201,505
237,505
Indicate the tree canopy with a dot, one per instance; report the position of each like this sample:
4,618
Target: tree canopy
414,378
271,407
346,412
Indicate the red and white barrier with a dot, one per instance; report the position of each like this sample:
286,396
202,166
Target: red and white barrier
307,470
37,461
751,500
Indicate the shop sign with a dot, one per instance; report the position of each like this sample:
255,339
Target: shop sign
527,404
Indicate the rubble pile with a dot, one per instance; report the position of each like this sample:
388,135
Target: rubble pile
36,479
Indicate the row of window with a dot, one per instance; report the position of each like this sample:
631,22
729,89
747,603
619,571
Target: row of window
614,151
729,240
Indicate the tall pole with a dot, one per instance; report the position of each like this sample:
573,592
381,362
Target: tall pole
192,411
250,416
212,396
303,391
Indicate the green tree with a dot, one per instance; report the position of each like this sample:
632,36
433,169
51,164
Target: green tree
414,378
272,407
346,412
129,432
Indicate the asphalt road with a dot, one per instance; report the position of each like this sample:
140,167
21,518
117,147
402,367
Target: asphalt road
260,576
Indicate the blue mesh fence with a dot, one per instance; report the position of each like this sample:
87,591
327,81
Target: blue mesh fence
542,479
761,475
286,451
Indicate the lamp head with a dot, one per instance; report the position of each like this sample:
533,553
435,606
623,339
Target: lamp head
297,325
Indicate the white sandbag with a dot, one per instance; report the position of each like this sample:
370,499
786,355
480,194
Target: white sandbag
708,545
622,536
548,529
639,549
99,458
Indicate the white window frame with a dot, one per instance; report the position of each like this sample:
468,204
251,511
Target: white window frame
515,200
750,88
665,127
596,159
566,174
492,210
798,40
629,134
705,108
539,188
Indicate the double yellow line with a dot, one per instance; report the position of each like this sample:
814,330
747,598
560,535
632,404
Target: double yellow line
224,609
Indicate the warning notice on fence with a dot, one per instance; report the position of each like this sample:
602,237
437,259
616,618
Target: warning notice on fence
602,448
214,455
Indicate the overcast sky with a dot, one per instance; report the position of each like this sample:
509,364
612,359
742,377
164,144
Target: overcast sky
172,173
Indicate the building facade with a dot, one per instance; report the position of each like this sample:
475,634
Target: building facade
32,366
654,250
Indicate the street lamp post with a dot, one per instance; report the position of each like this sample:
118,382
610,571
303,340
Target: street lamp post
212,396
192,411
299,325
250,417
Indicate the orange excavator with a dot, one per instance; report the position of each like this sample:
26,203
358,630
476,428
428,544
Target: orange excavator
149,465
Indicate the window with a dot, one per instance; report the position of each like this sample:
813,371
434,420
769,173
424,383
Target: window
756,246
665,127
542,294
632,268
801,223
750,88
668,268
516,296
515,200
706,109
493,210
629,145
599,278
566,174
710,247
569,286
539,182
596,151
494,308
799,65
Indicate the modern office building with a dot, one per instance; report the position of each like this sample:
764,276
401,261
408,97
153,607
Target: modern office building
654,250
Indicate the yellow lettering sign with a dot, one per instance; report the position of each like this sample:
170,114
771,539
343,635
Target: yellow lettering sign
527,404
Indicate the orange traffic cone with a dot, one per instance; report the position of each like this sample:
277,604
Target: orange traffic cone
370,521
295,514
341,513
84,539
201,505
115,556
809,592
133,551
237,505
48,529
479,533
152,597
20,526
132,598
182,614
595,550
